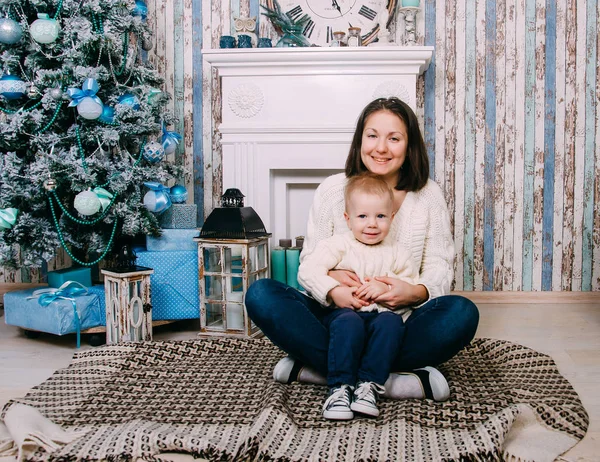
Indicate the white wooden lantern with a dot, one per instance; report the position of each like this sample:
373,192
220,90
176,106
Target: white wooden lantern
226,268
128,305
233,252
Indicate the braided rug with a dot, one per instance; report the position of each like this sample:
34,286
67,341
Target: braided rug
216,399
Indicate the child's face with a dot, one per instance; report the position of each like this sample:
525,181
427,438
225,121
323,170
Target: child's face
369,217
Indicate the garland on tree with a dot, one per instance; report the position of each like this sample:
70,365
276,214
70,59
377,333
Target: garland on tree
83,127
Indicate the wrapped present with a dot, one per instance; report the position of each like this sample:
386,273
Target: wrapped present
174,283
81,275
179,216
172,239
56,311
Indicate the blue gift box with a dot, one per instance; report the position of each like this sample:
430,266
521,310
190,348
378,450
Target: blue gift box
173,239
179,216
59,277
174,283
58,317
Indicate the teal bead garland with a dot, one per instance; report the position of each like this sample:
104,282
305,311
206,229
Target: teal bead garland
64,244
49,124
24,109
81,152
120,71
77,220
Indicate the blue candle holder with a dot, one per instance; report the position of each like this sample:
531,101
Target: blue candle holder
264,42
227,41
244,41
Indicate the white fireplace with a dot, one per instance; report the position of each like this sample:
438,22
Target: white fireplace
288,115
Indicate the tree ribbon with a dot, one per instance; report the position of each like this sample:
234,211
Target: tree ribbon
89,89
8,217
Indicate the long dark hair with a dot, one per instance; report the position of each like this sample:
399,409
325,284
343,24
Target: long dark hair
415,171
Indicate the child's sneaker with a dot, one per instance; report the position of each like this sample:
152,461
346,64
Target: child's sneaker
365,398
337,405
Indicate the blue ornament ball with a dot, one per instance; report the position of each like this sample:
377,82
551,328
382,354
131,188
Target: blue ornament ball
140,9
178,194
10,31
12,87
153,152
108,115
129,100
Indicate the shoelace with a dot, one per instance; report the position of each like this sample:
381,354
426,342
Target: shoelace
340,396
368,391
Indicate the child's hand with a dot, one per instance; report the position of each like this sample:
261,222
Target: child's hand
343,297
371,289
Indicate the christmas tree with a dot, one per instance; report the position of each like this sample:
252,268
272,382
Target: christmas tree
82,127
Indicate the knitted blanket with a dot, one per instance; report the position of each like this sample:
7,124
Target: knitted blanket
215,398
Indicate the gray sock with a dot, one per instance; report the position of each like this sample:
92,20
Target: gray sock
308,375
403,385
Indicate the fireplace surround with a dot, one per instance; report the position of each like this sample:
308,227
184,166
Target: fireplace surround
285,117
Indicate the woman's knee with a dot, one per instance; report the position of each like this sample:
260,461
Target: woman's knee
258,295
468,313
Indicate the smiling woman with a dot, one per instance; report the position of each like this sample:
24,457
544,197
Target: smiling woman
329,16
387,142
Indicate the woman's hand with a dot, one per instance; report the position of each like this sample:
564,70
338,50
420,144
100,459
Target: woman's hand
345,278
401,293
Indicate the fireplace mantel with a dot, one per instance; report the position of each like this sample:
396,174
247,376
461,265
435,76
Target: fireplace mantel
285,117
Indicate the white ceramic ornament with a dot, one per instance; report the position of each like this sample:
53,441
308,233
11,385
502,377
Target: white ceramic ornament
44,29
89,108
87,203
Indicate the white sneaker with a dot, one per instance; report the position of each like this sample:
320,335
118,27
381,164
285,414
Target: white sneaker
365,398
283,370
435,385
337,405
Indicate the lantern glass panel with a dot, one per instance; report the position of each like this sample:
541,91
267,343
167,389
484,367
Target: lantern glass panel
213,287
253,255
235,316
212,259
262,256
214,315
235,289
233,265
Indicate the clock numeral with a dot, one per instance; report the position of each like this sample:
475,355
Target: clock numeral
294,13
367,12
329,34
309,28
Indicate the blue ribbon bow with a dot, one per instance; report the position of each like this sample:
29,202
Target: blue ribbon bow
68,291
163,198
89,89
173,135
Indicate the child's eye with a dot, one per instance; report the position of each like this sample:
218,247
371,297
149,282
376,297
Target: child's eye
362,216
381,215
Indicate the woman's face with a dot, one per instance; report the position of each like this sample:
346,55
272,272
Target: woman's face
384,144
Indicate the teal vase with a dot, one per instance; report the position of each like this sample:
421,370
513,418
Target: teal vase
292,37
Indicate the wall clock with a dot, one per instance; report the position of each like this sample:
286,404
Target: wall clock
329,16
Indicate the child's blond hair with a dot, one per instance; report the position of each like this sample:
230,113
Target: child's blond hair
368,183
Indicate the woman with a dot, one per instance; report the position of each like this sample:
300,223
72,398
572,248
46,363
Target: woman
388,142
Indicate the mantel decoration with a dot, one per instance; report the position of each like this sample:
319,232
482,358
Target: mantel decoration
233,252
292,26
408,12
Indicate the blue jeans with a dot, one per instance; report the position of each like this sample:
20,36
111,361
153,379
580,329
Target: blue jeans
362,346
294,322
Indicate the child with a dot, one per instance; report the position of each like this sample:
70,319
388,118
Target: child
364,337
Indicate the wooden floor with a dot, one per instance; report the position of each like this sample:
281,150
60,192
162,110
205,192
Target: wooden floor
568,332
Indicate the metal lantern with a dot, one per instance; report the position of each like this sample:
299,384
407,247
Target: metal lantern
128,304
233,252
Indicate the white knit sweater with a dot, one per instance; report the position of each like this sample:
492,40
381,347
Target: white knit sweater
422,225
343,251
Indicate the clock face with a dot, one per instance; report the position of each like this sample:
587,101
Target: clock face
329,16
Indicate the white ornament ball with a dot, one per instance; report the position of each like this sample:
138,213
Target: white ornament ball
89,108
87,203
155,201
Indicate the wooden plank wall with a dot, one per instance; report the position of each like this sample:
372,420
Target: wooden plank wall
509,110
